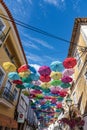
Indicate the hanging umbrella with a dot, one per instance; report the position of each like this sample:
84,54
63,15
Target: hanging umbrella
20,86
32,69
34,77
68,72
46,90
24,74
19,82
26,93
39,96
59,105
45,78
69,62
60,99
13,76
45,85
28,85
63,93
23,68
57,66
37,83
65,85
56,75
55,82
66,79
36,87
35,92
44,70
55,90
8,66
26,79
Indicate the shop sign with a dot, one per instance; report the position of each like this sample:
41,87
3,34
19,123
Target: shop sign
21,117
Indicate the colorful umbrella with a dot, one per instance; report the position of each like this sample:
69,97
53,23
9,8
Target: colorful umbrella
20,86
69,62
34,77
24,74
45,85
55,90
8,66
26,79
26,93
57,66
37,83
55,82
68,72
56,75
13,76
45,78
28,85
59,105
46,90
63,93
66,79
32,69
60,99
17,82
23,68
44,70
65,85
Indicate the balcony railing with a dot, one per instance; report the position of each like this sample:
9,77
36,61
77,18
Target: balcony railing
7,95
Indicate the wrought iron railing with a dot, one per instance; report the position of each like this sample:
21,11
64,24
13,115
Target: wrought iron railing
7,95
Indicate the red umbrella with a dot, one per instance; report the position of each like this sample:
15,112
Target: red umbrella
59,105
63,93
66,79
17,81
23,68
45,78
34,92
44,70
69,62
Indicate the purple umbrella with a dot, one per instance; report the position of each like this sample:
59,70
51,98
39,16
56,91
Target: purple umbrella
44,70
66,79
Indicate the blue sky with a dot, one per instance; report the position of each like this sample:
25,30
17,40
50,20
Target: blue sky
54,16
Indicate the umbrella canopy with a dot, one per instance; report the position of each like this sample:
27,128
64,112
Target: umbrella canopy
68,72
59,105
35,92
45,78
32,69
20,86
66,79
45,85
8,66
34,77
63,93
26,93
27,85
69,62
24,74
46,90
26,79
37,83
56,75
13,76
55,90
55,82
57,66
23,68
65,85
17,82
60,99
44,70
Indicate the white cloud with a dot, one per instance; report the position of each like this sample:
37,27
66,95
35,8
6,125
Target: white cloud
56,3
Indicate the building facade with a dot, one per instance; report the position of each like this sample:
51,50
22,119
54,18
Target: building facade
10,50
78,49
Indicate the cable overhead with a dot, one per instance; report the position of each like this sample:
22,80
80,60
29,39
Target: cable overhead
35,29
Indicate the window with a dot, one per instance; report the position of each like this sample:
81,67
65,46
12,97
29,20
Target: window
15,93
77,55
86,75
2,26
8,85
2,74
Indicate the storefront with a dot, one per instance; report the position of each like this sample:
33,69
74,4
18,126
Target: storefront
7,123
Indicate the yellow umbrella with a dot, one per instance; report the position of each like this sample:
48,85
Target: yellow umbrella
56,75
45,85
8,66
24,74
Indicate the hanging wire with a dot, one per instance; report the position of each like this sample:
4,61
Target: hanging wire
20,23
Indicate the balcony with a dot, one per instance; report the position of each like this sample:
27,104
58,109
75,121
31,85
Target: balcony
7,97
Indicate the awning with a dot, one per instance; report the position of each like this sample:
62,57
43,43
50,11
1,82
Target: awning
8,122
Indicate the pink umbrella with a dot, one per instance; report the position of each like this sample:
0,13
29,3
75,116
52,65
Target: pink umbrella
44,70
68,72
34,92
66,79
55,90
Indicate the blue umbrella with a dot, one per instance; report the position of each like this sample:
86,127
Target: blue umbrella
13,76
57,66
28,85
34,77
32,69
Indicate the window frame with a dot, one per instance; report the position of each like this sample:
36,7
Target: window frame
1,82
3,27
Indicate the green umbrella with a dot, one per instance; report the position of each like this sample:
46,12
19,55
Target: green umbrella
20,86
26,80
56,82
65,85
60,99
